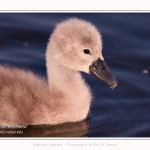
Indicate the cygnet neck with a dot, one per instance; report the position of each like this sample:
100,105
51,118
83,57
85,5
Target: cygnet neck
68,82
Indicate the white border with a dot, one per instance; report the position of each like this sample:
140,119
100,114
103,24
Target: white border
76,11
76,5
80,143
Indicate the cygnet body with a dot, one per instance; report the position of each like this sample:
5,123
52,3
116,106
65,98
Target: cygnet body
25,99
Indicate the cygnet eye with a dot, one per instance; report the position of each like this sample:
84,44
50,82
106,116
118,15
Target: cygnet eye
87,51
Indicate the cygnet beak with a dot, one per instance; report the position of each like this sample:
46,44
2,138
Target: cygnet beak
100,69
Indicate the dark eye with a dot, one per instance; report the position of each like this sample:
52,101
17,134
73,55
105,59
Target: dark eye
87,51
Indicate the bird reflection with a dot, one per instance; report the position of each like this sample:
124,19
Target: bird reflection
78,129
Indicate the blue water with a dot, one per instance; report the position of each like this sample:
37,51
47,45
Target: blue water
121,112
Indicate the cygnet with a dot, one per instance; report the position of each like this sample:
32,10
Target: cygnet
75,46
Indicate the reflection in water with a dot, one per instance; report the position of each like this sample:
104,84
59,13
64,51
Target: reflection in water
78,129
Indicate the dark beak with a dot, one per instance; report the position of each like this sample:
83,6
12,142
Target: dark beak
101,70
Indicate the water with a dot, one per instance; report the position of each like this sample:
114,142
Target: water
121,112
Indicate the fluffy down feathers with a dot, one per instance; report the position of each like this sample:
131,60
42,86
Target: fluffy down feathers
26,99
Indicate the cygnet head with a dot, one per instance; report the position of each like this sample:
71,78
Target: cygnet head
77,45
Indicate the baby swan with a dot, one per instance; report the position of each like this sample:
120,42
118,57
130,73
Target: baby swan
25,99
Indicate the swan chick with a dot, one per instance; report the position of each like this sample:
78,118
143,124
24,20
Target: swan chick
26,99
